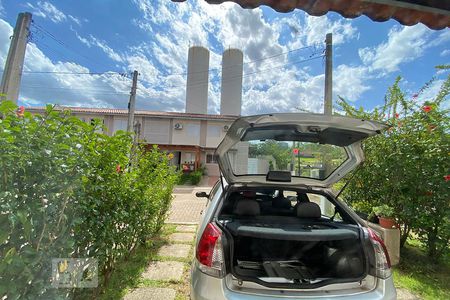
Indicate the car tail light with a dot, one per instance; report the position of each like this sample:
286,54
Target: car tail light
382,260
210,251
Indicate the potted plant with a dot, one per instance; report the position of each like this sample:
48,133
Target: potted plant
385,215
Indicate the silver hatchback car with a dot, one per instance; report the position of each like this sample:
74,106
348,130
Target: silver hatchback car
273,229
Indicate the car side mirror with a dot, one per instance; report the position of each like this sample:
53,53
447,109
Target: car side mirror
201,195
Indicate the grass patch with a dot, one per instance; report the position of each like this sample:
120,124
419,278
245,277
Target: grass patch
420,275
127,274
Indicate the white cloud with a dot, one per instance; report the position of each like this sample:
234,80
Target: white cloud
430,92
65,89
2,9
350,82
442,38
92,41
45,10
5,32
75,20
404,44
162,60
219,27
445,52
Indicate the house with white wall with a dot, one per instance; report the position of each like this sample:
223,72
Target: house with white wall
191,136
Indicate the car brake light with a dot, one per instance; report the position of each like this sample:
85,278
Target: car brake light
210,252
383,262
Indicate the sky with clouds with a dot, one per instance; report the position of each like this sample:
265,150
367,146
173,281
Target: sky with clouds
110,38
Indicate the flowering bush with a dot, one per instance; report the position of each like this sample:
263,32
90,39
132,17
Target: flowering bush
68,191
406,166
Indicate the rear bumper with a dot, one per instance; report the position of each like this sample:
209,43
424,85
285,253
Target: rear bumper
205,287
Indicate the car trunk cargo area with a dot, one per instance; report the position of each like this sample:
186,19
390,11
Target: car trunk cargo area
295,254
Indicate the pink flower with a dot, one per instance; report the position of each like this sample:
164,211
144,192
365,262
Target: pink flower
447,178
427,108
118,169
20,111
397,115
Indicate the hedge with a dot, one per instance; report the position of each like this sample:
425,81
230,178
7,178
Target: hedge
407,167
67,191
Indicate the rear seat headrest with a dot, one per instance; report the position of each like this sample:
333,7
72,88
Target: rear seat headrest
249,194
308,210
247,207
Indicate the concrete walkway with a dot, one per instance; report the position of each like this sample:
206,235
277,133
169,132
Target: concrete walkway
167,276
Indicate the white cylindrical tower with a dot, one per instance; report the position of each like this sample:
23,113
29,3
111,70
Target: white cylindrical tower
231,93
197,80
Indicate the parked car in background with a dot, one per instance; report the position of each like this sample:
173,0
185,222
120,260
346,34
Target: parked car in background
274,229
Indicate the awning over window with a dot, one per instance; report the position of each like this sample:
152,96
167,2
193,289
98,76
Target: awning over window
433,13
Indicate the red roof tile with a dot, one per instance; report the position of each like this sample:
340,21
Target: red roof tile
116,111
433,13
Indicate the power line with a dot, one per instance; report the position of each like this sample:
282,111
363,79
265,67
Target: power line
125,75
60,42
252,73
108,92
75,73
251,61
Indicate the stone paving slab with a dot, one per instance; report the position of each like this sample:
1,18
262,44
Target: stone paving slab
175,250
181,237
186,228
151,294
164,270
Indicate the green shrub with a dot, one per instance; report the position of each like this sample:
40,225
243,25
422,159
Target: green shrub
193,177
407,166
67,191
184,178
196,176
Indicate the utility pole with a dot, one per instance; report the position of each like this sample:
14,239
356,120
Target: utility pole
328,101
132,103
14,62
328,97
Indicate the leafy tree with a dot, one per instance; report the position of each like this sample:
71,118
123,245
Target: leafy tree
282,155
407,166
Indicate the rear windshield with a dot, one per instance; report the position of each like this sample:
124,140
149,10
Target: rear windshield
302,159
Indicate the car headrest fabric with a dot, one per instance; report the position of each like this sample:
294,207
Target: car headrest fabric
308,210
249,194
282,203
247,207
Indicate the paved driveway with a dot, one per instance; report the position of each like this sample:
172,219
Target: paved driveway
186,207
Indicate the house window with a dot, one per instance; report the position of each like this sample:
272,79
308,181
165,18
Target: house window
211,158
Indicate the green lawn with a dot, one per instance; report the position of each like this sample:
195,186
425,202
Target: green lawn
420,275
127,274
